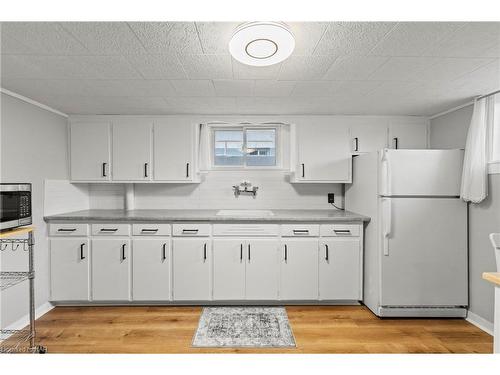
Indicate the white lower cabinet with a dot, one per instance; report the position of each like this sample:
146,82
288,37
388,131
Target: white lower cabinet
110,269
69,265
229,269
340,269
151,261
191,269
262,269
299,269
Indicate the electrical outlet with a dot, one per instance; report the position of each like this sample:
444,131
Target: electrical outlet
331,198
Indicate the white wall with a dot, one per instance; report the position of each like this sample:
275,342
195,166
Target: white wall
450,131
33,148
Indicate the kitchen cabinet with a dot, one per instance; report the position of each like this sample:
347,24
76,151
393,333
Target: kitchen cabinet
262,269
90,151
299,269
151,269
69,269
229,269
191,269
110,269
368,135
323,151
408,134
340,269
132,150
174,150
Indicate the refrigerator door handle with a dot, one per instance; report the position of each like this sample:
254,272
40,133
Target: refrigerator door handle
387,224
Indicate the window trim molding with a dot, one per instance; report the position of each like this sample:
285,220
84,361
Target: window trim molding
494,167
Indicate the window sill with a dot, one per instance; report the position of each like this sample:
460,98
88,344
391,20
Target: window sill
494,167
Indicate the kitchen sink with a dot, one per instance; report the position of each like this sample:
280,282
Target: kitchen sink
245,213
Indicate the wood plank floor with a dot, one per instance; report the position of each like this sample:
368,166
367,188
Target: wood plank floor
317,329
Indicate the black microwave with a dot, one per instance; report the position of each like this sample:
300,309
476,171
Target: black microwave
15,207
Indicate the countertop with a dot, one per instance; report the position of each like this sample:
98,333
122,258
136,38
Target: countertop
493,277
319,216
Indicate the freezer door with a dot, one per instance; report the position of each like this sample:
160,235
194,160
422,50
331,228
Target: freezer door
420,172
424,252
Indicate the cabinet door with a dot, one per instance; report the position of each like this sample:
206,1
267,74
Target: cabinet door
132,150
340,269
69,269
323,151
110,269
173,151
90,151
368,136
408,134
191,269
151,269
229,269
262,269
299,269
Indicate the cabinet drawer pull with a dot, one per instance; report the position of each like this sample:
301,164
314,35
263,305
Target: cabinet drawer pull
249,251
187,170
286,253
204,252
164,252
145,169
326,252
241,253
301,231
108,230
66,230
104,169
82,257
395,142
356,144
149,230
342,231
303,170
190,231
123,251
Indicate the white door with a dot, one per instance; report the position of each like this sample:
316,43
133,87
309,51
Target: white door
69,269
408,134
90,151
151,260
191,269
368,136
110,269
323,151
299,269
424,255
132,150
229,269
421,172
173,151
340,269
262,269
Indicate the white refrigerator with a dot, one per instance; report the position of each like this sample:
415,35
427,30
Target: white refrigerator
416,241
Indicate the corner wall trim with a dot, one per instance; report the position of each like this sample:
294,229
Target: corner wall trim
24,321
480,322
451,110
31,101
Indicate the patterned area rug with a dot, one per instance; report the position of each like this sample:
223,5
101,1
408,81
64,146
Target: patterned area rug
244,327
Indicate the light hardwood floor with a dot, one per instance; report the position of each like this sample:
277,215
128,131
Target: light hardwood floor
317,329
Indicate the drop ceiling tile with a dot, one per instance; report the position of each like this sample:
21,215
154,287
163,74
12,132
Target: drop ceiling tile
207,66
305,67
307,36
348,38
215,36
414,38
105,38
450,68
47,38
354,67
392,89
157,66
233,87
106,67
206,105
401,68
312,88
352,88
10,46
243,71
193,87
267,88
168,37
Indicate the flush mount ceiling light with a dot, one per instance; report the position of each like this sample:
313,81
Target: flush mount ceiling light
262,43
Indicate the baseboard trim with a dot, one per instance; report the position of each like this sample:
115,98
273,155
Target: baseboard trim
480,322
25,320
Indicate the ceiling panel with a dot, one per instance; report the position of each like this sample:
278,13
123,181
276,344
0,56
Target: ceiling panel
215,36
307,36
305,67
273,88
312,88
207,66
242,71
447,69
354,67
194,87
233,87
157,66
401,68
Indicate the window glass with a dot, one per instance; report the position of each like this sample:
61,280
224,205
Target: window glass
228,147
261,147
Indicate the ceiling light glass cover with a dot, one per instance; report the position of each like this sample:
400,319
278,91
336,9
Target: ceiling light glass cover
262,43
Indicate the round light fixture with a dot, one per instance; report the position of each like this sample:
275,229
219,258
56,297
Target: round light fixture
261,43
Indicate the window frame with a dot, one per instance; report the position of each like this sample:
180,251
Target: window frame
494,137
277,142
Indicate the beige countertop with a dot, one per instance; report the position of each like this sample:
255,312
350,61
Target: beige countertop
493,277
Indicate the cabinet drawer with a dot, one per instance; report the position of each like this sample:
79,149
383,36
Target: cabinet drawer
110,229
300,230
68,229
188,230
335,230
246,230
151,229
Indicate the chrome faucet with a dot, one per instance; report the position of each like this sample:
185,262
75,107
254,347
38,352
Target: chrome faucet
245,187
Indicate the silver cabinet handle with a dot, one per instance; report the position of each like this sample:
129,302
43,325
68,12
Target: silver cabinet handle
104,169
164,252
303,170
286,253
145,169
123,251
204,252
66,230
326,252
82,257
187,170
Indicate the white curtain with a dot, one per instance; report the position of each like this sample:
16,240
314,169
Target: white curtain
475,170
204,148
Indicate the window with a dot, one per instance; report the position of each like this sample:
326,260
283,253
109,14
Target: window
245,147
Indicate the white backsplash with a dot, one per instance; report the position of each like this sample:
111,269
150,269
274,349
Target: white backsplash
215,192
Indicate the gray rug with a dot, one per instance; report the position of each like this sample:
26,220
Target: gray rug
244,327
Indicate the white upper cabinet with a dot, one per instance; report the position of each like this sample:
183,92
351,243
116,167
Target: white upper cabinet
90,151
368,135
174,150
407,134
323,151
132,150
